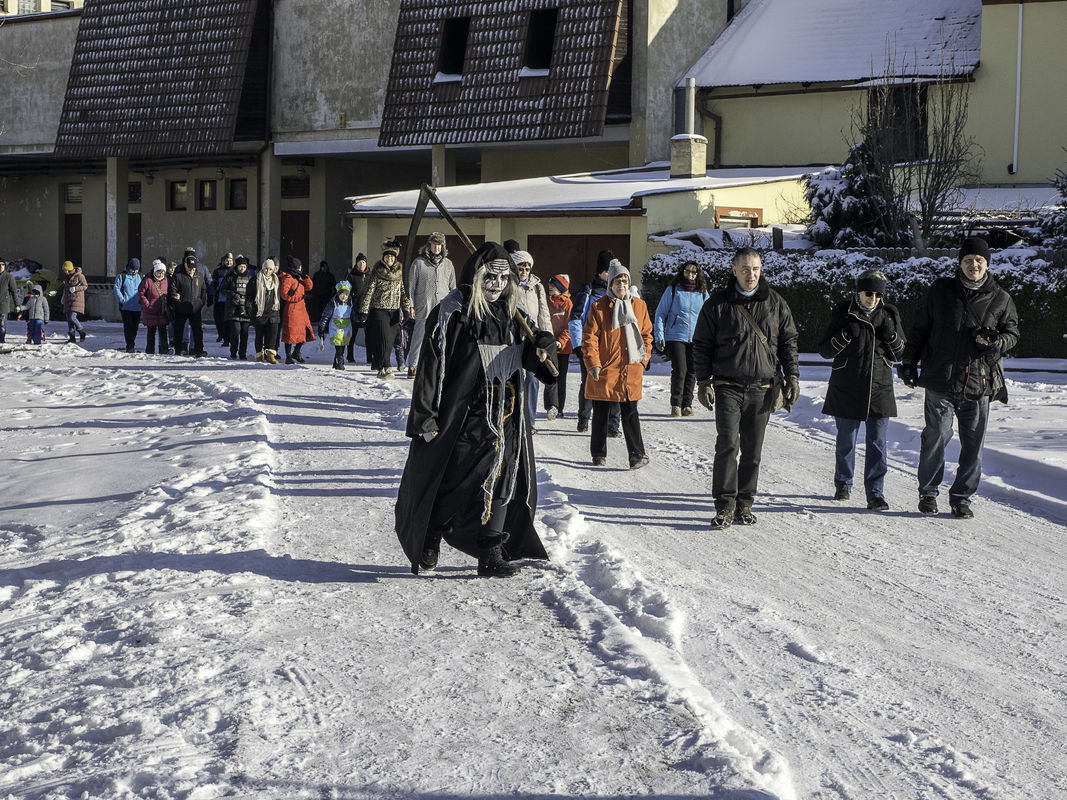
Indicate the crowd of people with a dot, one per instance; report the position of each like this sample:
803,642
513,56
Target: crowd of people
469,477
483,352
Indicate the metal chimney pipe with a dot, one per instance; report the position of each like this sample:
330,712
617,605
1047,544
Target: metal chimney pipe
685,98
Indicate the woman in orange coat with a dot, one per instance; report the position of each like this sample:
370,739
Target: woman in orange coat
616,346
296,326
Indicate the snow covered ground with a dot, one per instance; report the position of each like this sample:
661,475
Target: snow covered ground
201,596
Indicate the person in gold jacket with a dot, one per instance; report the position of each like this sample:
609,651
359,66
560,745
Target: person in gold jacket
383,308
616,346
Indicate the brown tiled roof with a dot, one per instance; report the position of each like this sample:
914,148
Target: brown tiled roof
493,103
156,78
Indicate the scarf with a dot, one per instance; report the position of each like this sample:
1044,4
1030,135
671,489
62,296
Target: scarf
265,284
971,284
622,316
689,284
384,273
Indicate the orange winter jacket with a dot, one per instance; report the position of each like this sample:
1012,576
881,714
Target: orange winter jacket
559,309
606,348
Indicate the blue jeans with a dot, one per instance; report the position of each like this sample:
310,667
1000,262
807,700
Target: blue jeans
533,388
971,418
875,463
72,322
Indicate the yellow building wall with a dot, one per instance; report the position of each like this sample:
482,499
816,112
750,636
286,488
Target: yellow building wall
781,201
783,130
1042,106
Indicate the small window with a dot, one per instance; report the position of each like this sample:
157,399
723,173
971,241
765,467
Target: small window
295,187
72,192
540,39
237,199
27,6
62,5
133,192
205,195
454,46
177,195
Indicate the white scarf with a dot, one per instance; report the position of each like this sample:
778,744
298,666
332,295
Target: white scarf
622,316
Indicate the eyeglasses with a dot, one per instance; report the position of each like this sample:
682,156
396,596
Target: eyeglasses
871,294
690,272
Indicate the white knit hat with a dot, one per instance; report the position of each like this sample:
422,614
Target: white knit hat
521,257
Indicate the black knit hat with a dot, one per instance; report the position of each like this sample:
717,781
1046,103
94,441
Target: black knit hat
603,261
511,245
873,280
974,246
359,257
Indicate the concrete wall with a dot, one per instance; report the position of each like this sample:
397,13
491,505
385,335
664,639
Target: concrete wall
34,79
668,37
331,57
30,214
515,163
1043,112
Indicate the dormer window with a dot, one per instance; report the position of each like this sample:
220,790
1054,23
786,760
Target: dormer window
453,49
540,40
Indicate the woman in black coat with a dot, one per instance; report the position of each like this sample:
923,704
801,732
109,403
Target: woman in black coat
864,338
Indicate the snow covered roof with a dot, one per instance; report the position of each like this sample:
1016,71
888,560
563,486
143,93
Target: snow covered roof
790,41
613,191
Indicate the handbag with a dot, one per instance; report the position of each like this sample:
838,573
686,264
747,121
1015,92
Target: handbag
777,394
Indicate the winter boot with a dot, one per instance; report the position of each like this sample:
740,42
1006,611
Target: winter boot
296,354
81,334
339,361
428,559
724,518
744,516
270,356
259,356
676,411
843,492
70,338
493,565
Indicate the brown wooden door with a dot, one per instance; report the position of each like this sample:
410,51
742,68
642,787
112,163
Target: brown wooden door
296,237
72,240
576,256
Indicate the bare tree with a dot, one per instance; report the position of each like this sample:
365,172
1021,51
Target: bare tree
920,154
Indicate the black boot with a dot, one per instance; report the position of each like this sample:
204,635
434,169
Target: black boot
339,361
71,338
81,334
296,354
289,354
493,565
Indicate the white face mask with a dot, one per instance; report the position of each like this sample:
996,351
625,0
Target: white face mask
493,285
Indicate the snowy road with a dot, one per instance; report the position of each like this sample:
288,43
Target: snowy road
201,596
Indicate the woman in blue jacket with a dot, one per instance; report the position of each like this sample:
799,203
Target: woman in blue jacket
676,320
126,293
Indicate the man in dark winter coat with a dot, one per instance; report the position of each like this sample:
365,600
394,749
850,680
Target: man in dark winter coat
582,301
239,289
222,329
9,297
954,351
736,367
470,477
322,289
864,339
188,295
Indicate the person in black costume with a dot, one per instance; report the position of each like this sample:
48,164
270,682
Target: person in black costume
470,478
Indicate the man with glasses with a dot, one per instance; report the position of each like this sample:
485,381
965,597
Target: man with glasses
744,331
965,326
863,338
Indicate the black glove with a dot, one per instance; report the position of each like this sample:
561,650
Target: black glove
361,319
706,394
853,329
322,333
791,390
659,347
210,302
909,374
991,335
886,332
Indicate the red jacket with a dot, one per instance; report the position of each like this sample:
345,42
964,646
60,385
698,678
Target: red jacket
296,326
559,309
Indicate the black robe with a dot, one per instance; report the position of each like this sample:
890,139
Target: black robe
475,459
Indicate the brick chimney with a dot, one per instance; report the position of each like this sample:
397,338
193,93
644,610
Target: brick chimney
689,154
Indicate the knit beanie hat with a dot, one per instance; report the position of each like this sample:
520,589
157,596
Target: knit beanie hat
133,265
189,251
873,280
293,264
603,261
974,246
520,257
158,266
67,266
511,245
343,286
561,282
615,269
240,260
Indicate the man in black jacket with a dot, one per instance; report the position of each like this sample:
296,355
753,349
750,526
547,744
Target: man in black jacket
736,368
964,327
188,295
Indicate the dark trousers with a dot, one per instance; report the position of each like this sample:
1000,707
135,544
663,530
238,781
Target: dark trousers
196,331
971,417
741,415
683,377
403,342
164,346
585,407
381,333
351,346
221,326
3,327
556,393
131,321
631,428
238,337
267,333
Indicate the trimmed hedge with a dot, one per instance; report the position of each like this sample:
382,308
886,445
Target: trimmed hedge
811,282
